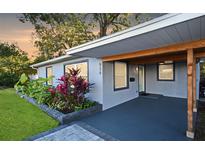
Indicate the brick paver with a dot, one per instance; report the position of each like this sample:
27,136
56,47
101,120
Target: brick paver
71,133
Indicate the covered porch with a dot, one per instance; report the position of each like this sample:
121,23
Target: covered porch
189,53
144,119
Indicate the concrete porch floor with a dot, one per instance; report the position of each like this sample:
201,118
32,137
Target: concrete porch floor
144,119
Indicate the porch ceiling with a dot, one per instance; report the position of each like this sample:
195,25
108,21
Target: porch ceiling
156,36
178,56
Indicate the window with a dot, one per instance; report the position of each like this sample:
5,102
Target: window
82,66
120,75
166,71
49,73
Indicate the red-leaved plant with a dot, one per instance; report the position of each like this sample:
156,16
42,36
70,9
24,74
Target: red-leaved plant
70,91
78,85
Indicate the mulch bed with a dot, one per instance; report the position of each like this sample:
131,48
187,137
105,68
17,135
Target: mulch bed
200,123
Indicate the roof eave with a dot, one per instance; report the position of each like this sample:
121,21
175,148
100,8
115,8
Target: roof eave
157,23
55,60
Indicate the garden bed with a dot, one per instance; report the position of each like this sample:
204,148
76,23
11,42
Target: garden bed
61,117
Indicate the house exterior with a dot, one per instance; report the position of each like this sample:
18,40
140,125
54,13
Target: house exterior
160,56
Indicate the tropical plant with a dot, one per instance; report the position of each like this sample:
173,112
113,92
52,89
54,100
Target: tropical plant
68,96
34,88
78,85
21,85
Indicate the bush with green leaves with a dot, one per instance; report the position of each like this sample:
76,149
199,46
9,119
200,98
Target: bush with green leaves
85,105
8,79
36,89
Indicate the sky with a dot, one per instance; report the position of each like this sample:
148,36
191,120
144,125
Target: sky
14,31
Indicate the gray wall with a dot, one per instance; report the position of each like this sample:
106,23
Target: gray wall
177,88
111,97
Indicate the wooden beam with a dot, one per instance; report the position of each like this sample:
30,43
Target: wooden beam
157,51
194,85
161,58
190,57
199,54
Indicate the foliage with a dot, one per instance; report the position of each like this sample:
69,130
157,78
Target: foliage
70,92
13,62
56,32
20,86
34,88
20,119
112,22
8,79
68,96
85,105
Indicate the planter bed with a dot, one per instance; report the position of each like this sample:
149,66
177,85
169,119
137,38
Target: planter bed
61,117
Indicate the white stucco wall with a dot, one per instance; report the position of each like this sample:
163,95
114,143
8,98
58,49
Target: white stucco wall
112,98
177,88
96,77
94,74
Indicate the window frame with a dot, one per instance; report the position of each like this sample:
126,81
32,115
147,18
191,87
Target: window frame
172,63
47,75
127,67
77,62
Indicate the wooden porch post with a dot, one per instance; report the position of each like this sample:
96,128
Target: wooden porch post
190,57
194,85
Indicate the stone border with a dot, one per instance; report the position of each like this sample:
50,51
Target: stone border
95,131
85,126
61,117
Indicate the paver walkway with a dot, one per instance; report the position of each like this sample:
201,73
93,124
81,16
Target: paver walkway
71,133
77,131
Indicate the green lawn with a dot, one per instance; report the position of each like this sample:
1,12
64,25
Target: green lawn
19,119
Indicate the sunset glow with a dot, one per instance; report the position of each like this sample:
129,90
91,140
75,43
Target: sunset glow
14,31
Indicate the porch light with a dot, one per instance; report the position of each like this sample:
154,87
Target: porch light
168,62
136,68
161,63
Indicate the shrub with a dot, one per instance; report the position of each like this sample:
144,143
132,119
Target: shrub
8,79
68,96
34,88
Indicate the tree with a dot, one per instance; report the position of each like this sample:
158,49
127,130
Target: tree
56,32
13,62
110,21
114,22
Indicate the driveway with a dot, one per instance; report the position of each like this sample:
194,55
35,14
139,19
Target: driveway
143,119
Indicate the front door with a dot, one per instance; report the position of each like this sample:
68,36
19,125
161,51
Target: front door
141,73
